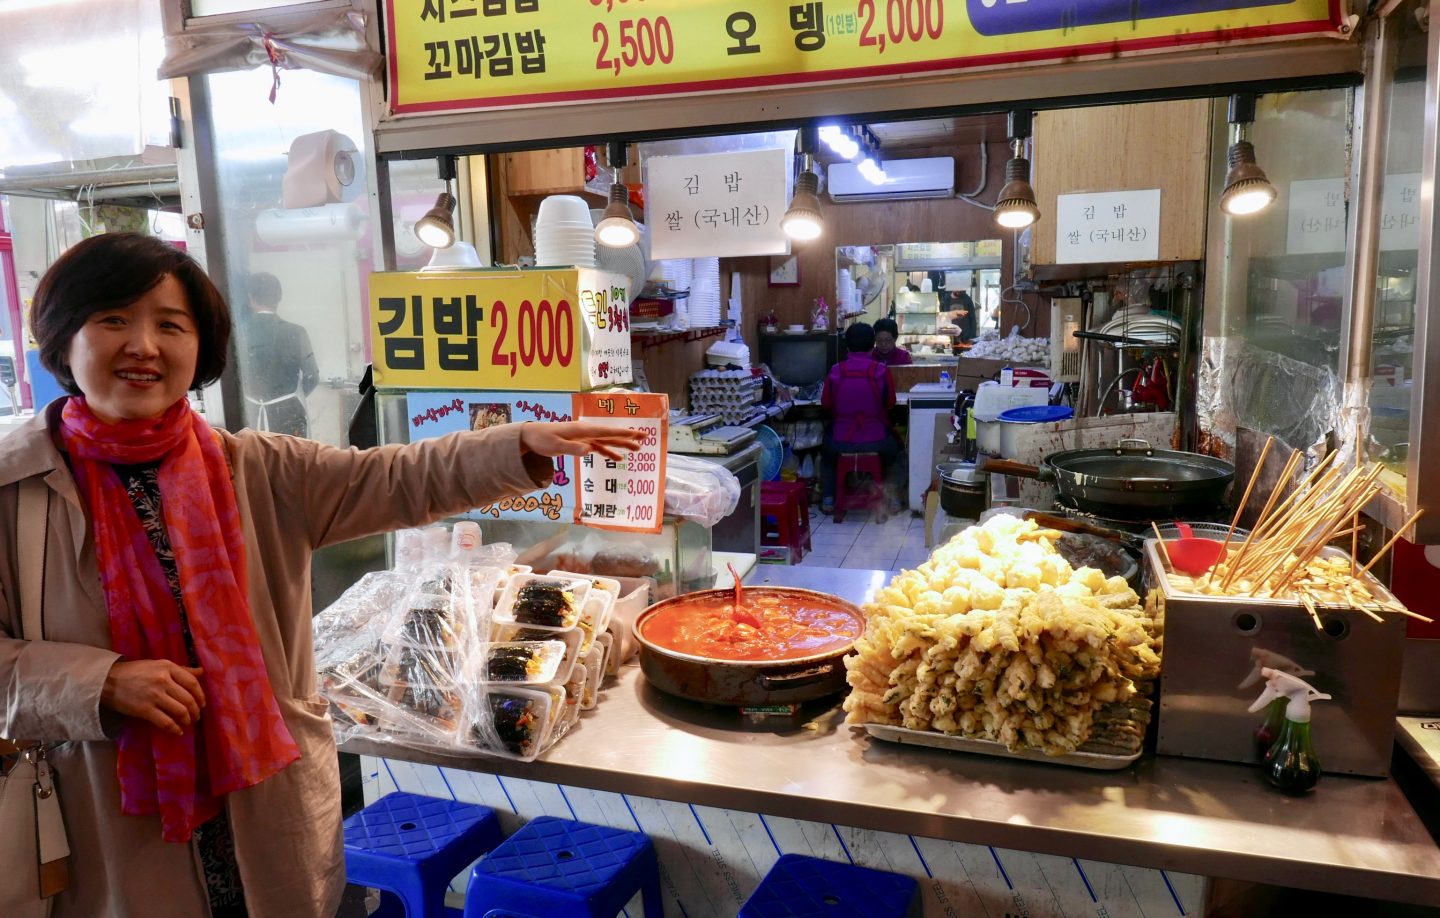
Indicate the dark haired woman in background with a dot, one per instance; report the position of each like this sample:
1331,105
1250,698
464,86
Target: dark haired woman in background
886,351
859,394
175,674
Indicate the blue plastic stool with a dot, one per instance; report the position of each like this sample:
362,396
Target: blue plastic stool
410,847
800,887
555,868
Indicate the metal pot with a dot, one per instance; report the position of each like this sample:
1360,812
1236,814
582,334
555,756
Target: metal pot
964,489
1132,480
744,682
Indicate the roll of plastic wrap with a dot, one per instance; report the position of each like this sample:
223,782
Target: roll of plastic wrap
308,224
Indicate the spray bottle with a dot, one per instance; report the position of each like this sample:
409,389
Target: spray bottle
1291,763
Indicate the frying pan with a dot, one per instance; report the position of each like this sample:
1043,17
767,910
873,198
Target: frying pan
1132,481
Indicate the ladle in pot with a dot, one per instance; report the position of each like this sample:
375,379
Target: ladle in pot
1193,556
737,612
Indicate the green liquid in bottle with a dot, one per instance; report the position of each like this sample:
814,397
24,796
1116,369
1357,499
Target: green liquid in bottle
1266,733
1291,764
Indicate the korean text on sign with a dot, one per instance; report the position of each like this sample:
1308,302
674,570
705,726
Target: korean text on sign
1107,226
560,330
718,203
628,493
475,54
435,414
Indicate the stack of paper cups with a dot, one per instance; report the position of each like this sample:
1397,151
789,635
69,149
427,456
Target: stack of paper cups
564,234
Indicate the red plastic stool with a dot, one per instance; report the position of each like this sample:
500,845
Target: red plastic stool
798,494
780,523
864,495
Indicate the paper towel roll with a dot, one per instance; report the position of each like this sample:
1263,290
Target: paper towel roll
321,168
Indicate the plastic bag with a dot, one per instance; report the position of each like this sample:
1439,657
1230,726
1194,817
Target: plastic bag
705,492
421,656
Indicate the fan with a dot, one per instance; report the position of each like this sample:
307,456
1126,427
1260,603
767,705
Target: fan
772,453
870,287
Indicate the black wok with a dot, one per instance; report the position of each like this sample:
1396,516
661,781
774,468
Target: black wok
1131,481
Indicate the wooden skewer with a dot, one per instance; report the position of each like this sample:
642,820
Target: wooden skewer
1164,552
1393,539
1354,542
1404,611
1254,477
1264,514
1366,610
1310,607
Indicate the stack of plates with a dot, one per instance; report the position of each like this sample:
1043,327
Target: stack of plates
1154,328
564,234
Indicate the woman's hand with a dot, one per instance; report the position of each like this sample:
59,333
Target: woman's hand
165,694
579,438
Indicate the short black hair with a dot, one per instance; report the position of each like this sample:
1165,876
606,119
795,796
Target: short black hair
111,271
887,325
264,289
859,338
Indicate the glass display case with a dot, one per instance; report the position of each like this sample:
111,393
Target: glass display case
677,559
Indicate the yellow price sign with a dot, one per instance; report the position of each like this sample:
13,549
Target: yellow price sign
474,54
539,331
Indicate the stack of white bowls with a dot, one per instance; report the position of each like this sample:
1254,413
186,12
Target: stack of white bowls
705,293
564,234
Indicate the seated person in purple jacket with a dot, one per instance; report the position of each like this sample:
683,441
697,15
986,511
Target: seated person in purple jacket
859,394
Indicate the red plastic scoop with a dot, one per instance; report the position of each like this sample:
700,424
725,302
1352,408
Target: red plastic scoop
1193,556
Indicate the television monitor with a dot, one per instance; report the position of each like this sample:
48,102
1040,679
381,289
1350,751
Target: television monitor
799,360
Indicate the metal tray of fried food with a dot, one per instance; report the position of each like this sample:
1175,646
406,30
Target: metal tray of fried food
1104,758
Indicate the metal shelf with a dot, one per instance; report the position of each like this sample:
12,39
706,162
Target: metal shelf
648,340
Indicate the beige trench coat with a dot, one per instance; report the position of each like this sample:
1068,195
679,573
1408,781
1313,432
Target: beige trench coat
294,496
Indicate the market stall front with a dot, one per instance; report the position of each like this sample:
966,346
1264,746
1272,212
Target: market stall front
724,796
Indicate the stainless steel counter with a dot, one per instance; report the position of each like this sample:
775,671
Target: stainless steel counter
1354,835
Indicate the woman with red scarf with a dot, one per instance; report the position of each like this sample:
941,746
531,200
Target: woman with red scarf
174,673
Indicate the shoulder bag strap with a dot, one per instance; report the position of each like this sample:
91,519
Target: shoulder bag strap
32,531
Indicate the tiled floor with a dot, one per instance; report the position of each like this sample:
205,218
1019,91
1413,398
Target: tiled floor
857,543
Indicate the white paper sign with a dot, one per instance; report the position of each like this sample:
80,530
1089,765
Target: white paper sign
717,204
626,493
605,304
1107,226
1316,218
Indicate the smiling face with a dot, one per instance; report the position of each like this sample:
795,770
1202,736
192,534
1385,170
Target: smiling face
134,362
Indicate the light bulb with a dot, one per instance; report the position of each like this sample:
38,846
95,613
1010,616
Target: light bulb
1016,207
872,171
1247,189
437,228
803,221
617,228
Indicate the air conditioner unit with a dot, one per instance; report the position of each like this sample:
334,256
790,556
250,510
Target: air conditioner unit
904,179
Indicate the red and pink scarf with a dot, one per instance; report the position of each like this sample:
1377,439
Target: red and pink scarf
241,738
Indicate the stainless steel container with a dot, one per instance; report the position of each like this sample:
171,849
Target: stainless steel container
1214,647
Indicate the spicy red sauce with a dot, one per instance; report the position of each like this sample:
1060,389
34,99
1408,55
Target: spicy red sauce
768,625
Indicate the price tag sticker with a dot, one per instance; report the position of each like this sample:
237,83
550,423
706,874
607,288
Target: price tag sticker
629,493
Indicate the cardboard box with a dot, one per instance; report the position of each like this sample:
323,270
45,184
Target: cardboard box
972,371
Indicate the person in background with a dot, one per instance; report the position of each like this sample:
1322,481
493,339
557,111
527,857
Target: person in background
962,313
174,679
859,394
281,369
886,351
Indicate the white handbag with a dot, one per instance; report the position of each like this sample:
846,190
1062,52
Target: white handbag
34,852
